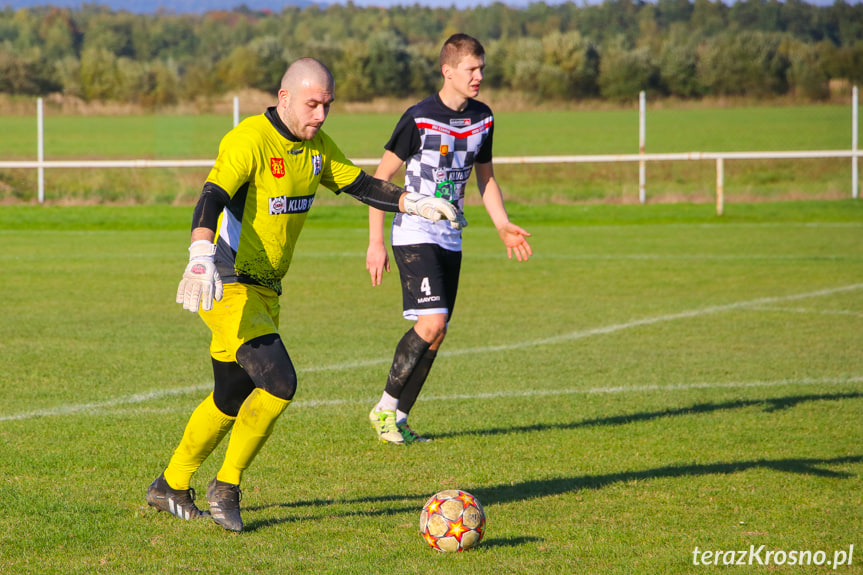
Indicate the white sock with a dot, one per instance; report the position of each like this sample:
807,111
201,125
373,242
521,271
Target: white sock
401,416
387,403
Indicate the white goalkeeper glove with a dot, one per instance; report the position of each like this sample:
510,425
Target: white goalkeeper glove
201,282
434,209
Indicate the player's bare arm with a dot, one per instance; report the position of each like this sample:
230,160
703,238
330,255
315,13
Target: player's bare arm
513,236
377,259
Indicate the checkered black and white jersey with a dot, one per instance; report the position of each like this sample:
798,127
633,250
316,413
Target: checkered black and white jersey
439,146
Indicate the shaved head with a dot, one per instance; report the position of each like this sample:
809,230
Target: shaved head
305,95
308,72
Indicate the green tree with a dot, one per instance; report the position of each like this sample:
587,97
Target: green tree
670,12
807,78
68,73
200,81
709,18
624,73
571,66
59,35
523,64
744,64
803,21
388,65
99,75
424,69
112,33
271,66
761,15
686,48
241,69
352,82
15,77
166,84
678,64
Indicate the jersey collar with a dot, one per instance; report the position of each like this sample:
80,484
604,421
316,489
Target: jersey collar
277,123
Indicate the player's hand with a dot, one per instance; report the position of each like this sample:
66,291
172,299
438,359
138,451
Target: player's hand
434,209
201,282
514,239
377,261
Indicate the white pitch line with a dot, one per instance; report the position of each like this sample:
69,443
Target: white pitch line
156,394
96,406
533,393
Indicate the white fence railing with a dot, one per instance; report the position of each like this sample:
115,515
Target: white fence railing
41,164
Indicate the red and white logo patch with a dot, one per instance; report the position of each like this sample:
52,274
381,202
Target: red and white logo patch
277,167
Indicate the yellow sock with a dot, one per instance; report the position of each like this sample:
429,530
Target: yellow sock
206,428
254,425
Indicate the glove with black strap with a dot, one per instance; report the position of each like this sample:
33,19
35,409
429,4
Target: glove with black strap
434,209
201,283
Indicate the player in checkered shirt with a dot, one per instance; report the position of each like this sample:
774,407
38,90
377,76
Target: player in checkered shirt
441,140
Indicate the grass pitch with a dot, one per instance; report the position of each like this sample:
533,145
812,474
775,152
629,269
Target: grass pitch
655,380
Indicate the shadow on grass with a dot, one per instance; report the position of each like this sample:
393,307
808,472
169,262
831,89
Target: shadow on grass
520,491
524,490
509,541
770,405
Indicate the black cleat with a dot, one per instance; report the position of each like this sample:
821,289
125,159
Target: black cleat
179,502
224,499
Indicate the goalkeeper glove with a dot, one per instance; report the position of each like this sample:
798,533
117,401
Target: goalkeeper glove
434,209
201,282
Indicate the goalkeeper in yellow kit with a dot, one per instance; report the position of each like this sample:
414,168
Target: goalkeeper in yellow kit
245,226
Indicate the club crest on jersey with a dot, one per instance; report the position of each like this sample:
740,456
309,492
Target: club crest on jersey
444,149
277,167
317,163
459,122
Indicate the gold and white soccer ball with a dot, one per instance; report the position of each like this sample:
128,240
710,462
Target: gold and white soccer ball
452,520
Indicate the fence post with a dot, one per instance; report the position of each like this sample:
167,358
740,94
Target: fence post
720,186
642,176
236,110
40,148
855,181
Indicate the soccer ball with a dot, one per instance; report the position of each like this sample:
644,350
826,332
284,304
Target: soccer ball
452,520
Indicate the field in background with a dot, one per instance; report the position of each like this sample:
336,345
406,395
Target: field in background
517,133
654,380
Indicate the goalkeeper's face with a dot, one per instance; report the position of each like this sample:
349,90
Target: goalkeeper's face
305,110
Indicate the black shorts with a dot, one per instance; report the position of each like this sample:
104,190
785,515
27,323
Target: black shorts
429,277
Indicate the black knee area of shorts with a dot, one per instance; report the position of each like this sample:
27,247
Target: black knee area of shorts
409,351
268,364
232,385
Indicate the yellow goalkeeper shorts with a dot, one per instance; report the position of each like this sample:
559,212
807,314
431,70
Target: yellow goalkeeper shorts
244,313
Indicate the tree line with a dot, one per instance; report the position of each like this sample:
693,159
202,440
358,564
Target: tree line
687,49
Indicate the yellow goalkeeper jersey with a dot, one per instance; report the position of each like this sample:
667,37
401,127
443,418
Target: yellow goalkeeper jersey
271,181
